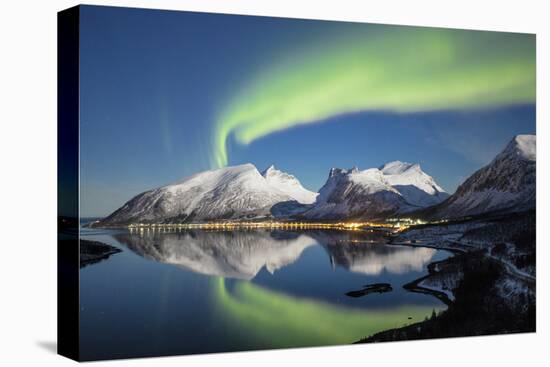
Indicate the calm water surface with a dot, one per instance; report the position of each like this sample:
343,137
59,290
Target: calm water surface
200,291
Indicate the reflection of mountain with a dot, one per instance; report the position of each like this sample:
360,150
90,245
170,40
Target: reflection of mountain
367,254
374,259
242,254
235,254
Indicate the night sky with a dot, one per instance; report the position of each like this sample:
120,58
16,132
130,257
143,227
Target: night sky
167,94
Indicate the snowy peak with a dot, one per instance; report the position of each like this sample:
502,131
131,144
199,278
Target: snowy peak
417,187
507,184
225,175
355,194
398,167
372,180
269,171
334,172
237,192
521,147
229,193
289,185
396,187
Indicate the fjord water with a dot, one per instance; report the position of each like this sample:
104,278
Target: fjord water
198,291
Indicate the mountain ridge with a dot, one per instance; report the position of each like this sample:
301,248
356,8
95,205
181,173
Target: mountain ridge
375,193
506,184
289,185
396,188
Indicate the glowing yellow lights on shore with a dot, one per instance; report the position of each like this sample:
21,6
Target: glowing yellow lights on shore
228,226
251,225
391,224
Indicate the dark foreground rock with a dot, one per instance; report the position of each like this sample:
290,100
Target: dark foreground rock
370,288
92,252
480,307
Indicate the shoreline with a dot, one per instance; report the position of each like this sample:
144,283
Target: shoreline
93,252
477,274
415,287
476,310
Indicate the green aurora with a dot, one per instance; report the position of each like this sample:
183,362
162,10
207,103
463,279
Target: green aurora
277,320
378,67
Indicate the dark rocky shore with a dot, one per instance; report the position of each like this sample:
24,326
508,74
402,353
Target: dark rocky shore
370,288
492,292
92,252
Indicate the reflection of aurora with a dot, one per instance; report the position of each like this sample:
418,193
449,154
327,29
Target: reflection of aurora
278,320
263,317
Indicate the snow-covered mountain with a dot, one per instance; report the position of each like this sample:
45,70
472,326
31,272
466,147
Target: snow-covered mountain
507,184
243,193
354,194
417,187
238,192
395,188
289,185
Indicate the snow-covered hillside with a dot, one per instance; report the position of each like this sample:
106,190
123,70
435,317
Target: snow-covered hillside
243,193
506,184
395,188
417,187
354,194
238,192
289,185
